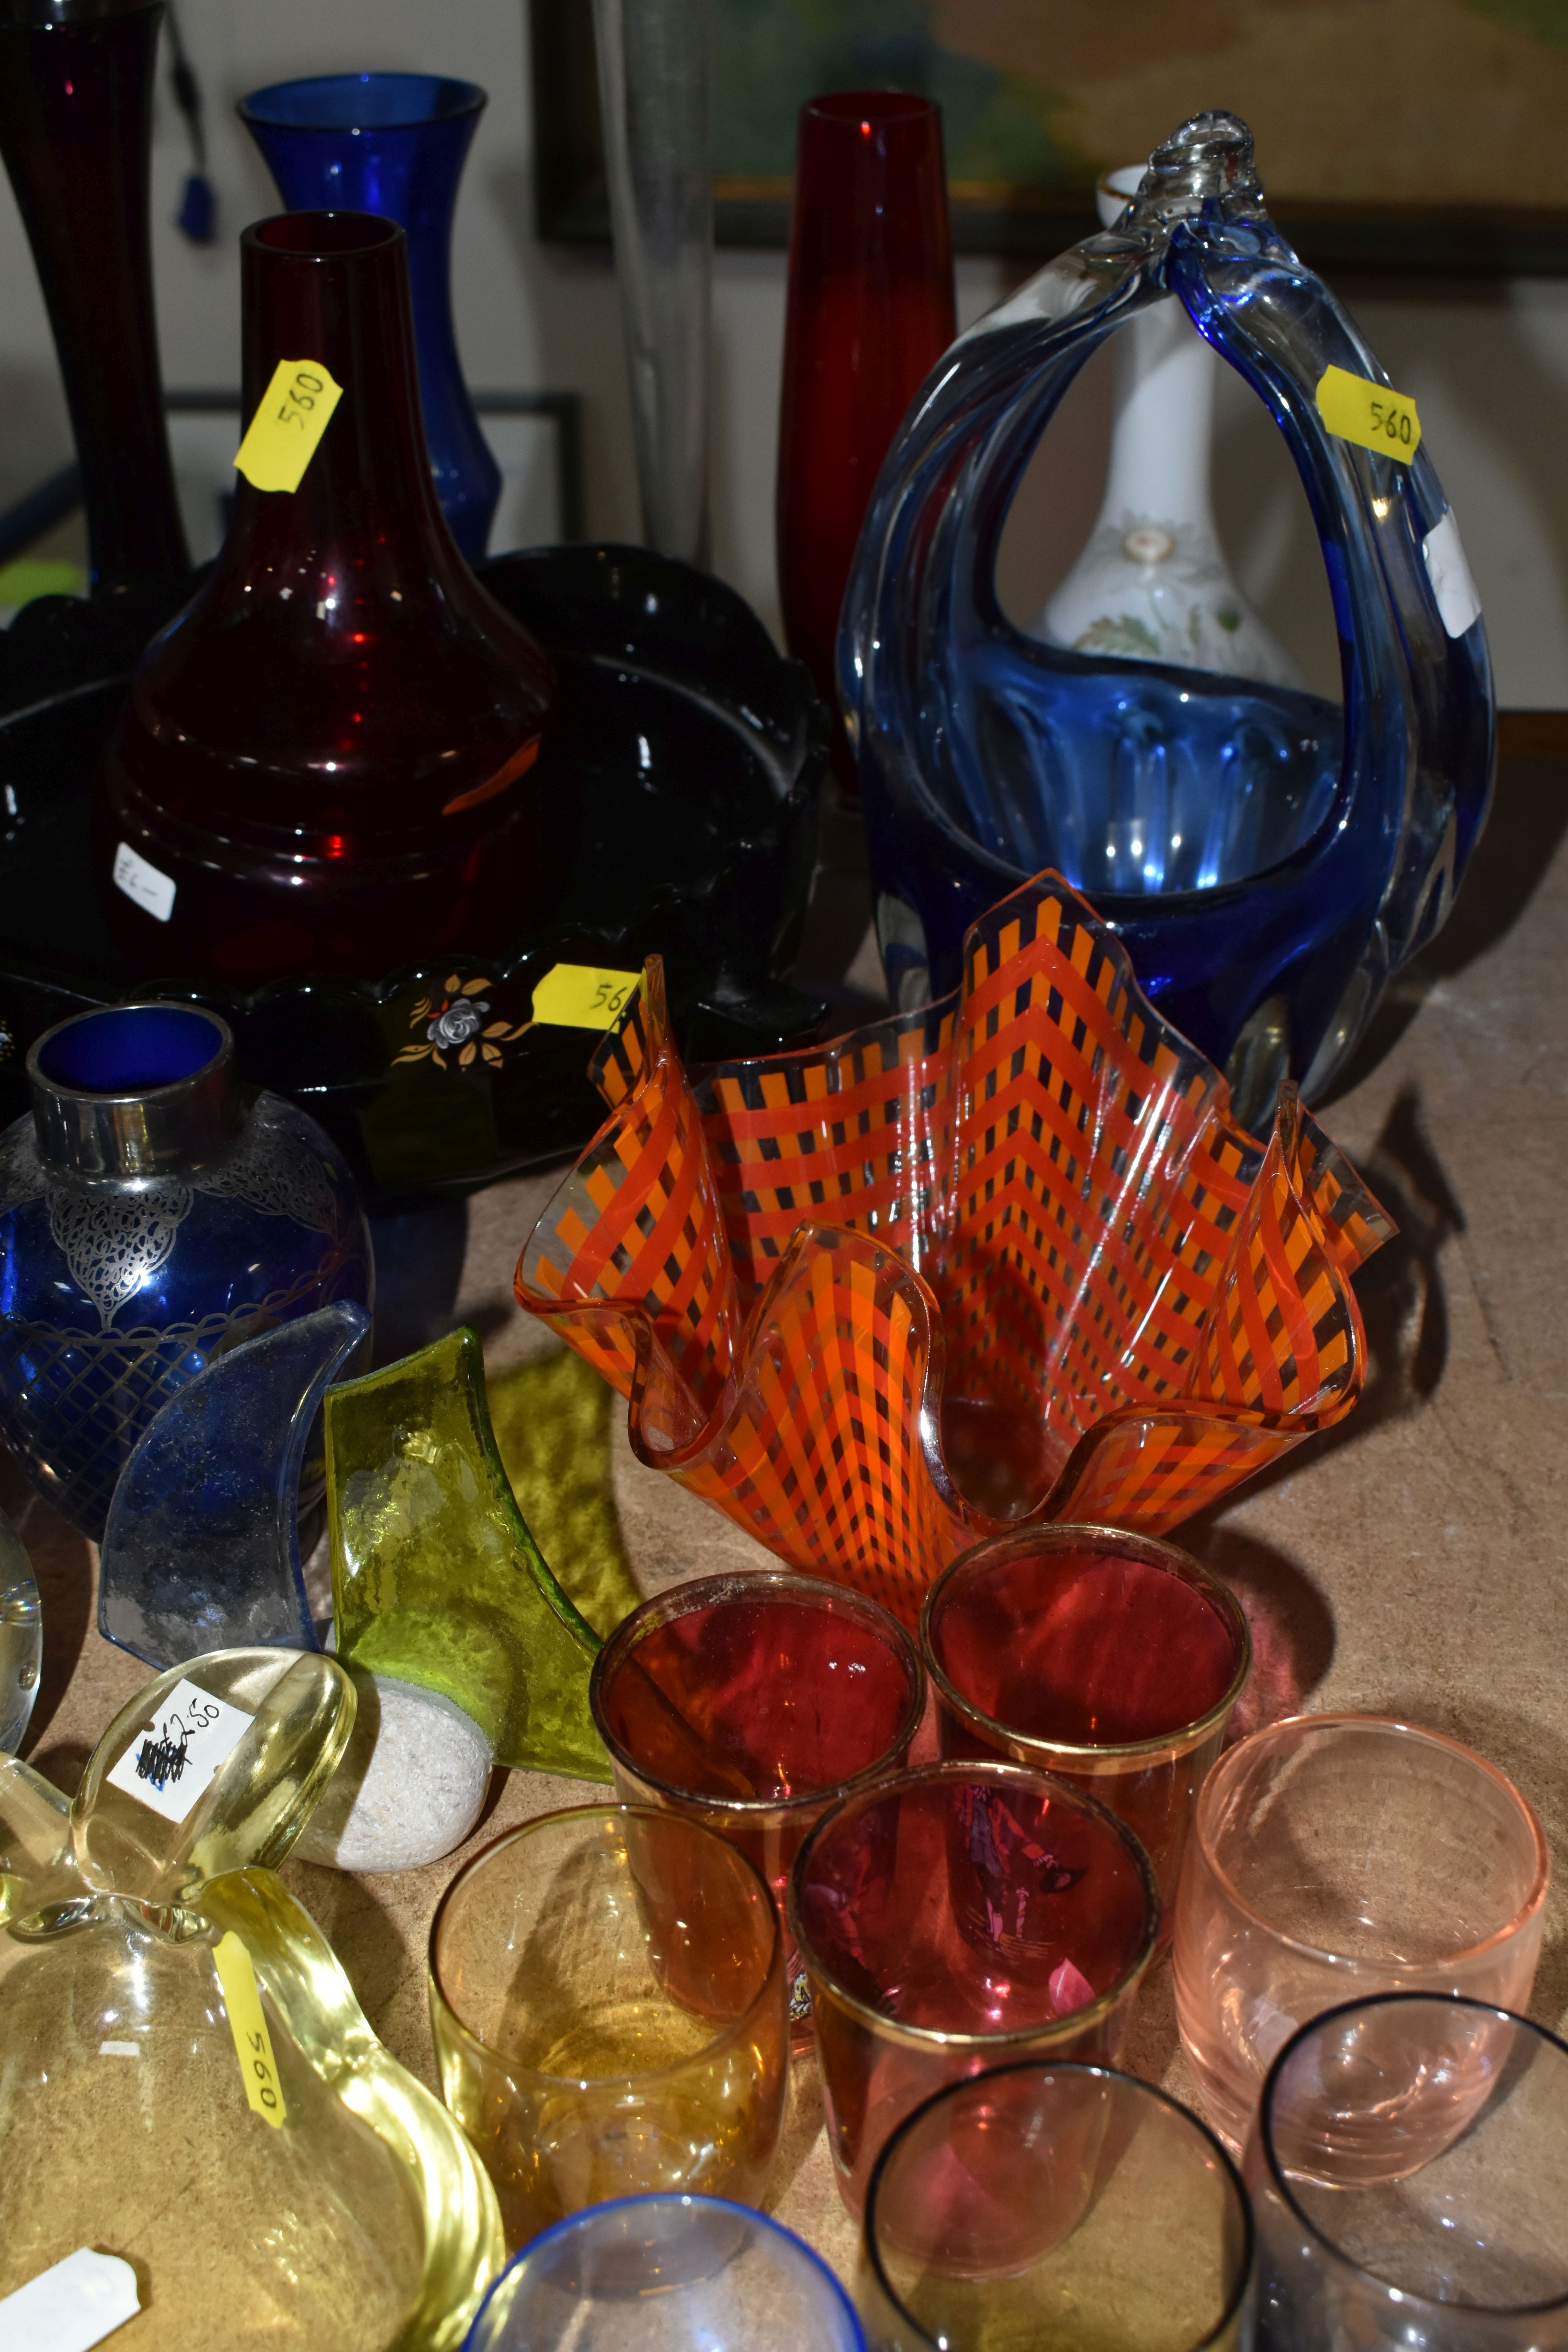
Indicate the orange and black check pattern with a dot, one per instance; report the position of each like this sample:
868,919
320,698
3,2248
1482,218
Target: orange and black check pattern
1005,1257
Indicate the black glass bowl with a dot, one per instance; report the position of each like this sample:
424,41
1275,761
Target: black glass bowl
684,758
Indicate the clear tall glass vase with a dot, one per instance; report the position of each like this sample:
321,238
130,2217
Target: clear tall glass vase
654,100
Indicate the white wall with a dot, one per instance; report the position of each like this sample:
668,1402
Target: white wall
1487,363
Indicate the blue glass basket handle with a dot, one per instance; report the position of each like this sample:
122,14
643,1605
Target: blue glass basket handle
952,809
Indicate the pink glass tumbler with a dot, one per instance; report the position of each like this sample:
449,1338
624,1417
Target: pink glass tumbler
1335,1856
871,311
955,1917
1110,1659
751,1703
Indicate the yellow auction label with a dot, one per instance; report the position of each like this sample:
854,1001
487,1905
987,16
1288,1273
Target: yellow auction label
283,432
1369,414
252,2042
580,996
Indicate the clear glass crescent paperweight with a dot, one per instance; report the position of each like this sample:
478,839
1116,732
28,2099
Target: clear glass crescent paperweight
201,1549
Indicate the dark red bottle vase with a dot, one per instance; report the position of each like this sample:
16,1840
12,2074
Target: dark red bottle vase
324,763
871,311
76,126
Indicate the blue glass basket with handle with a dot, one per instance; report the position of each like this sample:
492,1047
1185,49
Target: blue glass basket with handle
1269,856
395,143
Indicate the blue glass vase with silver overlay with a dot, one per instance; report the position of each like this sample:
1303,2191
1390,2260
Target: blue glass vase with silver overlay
1267,855
153,1214
395,143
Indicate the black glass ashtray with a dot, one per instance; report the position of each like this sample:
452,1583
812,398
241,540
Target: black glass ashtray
686,757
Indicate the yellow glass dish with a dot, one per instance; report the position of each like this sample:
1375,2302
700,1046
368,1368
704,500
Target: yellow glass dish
187,2080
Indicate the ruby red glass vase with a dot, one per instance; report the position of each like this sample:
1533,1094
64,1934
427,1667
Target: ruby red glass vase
871,311
76,131
323,764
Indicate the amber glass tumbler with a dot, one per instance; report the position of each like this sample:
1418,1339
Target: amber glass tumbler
752,1702
1112,1660
324,763
869,313
607,2001
1048,2205
1409,2173
952,1918
1338,1856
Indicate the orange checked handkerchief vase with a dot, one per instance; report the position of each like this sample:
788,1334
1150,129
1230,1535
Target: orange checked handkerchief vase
1000,1259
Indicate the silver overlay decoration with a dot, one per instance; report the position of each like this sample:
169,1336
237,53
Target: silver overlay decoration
277,1170
113,1237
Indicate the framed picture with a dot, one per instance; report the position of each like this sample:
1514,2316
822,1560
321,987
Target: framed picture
1392,134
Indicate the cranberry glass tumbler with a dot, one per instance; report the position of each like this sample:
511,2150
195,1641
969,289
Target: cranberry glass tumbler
870,312
753,1702
1111,1659
955,1917
324,761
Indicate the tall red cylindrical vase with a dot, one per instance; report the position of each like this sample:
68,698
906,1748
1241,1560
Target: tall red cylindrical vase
870,312
76,132
323,764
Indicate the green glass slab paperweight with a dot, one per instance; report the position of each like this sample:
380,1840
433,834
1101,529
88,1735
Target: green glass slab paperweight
554,1422
191,2098
435,1578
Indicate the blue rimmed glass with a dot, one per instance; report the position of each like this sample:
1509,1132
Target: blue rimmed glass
1269,856
395,143
662,2275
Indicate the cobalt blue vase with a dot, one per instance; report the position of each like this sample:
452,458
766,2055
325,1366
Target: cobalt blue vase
1269,856
395,143
154,1214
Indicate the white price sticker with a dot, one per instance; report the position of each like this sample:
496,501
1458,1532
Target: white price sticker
1453,589
72,2306
173,1765
151,891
